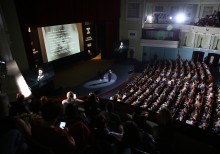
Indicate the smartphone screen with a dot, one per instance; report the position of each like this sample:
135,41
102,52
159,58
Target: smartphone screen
62,125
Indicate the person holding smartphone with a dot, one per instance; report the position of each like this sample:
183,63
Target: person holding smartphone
48,133
71,98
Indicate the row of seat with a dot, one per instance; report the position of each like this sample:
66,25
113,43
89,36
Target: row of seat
184,87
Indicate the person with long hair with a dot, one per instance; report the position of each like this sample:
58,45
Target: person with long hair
165,134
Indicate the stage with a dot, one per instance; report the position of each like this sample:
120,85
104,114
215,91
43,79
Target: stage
101,83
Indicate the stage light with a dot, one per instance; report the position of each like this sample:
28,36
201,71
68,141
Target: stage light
180,18
169,27
150,18
170,18
24,89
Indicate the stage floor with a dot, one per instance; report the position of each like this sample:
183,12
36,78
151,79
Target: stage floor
86,79
101,83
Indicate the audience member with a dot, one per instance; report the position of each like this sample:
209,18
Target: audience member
140,118
92,107
133,138
103,141
76,124
165,134
71,98
113,119
46,132
20,106
13,131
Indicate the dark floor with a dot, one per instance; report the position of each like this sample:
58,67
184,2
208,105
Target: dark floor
121,70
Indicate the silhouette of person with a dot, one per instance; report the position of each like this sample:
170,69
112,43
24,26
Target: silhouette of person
42,77
40,74
109,75
99,75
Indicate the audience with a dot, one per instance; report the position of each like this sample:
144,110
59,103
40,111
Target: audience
46,132
134,139
13,131
92,107
113,119
103,141
174,90
140,118
77,126
165,133
20,106
210,20
184,87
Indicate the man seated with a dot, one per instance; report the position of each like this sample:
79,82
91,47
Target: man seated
46,132
13,131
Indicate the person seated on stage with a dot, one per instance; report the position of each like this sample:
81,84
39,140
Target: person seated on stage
109,75
121,46
99,74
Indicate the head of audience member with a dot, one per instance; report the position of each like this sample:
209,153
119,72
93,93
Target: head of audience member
35,105
164,117
93,100
51,111
137,110
69,96
43,99
4,105
115,97
92,97
71,111
101,123
20,106
131,135
109,106
19,96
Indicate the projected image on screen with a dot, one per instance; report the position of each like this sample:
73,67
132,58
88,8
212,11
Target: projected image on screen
61,41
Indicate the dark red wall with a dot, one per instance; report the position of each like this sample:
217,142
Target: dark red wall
38,13
50,12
